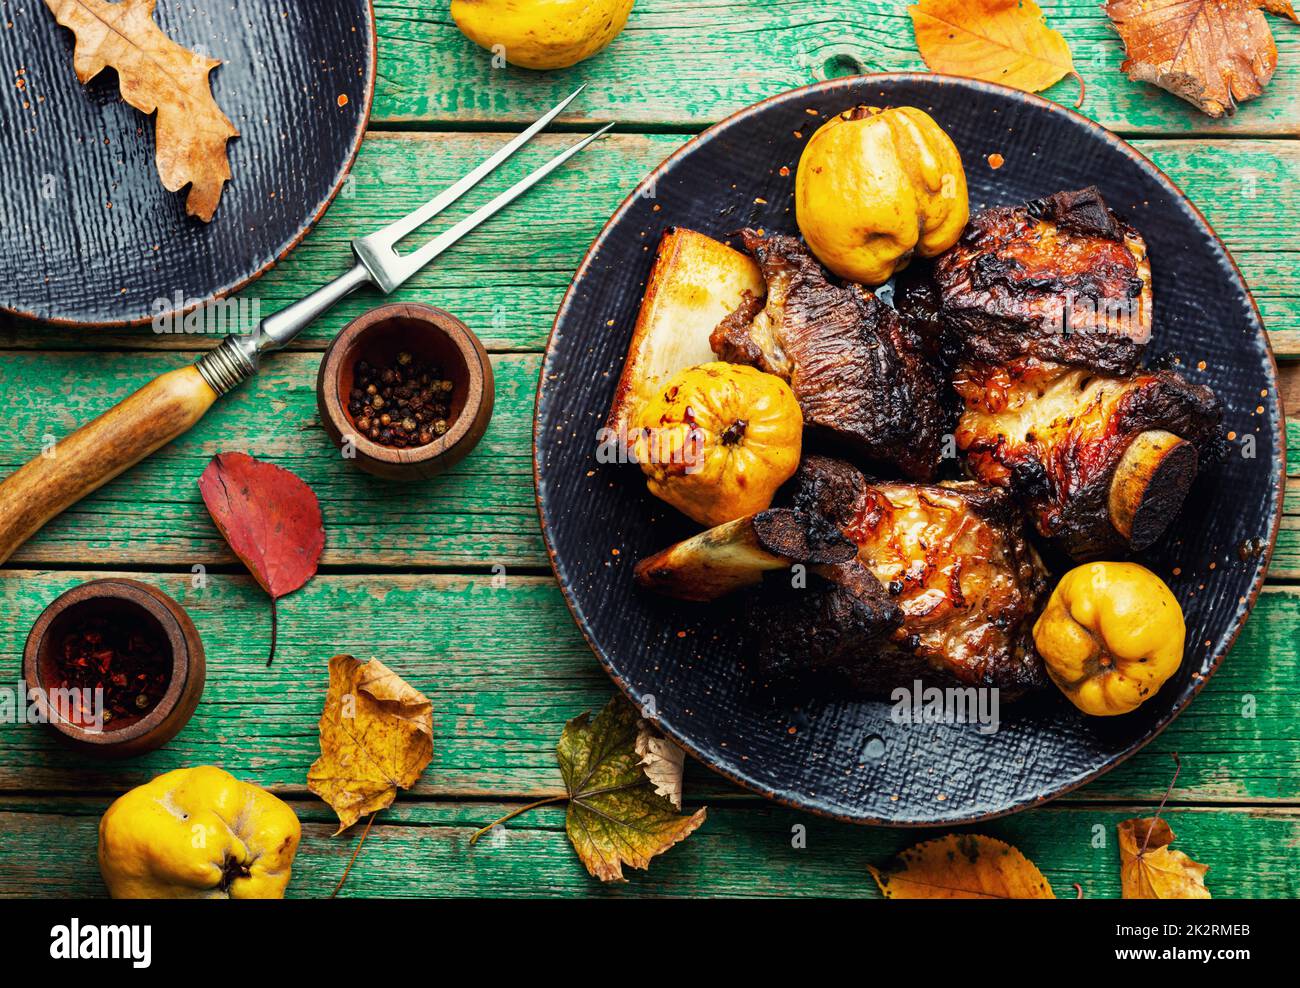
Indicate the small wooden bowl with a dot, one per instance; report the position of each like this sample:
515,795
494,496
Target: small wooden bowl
127,601
428,334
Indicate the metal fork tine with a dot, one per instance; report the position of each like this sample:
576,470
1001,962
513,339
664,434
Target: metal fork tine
395,231
408,264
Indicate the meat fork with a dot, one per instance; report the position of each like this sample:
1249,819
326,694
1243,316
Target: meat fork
171,403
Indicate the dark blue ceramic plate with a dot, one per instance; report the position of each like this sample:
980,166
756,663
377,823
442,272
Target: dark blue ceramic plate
839,756
297,84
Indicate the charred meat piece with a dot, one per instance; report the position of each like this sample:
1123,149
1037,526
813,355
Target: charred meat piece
1062,279
858,371
952,557
837,622
1104,462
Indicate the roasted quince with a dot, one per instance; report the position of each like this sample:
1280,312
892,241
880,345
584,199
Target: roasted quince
717,440
1110,636
876,186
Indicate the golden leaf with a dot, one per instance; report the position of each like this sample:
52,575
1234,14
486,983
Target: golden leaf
962,866
157,74
615,816
1148,869
1006,41
376,736
1213,53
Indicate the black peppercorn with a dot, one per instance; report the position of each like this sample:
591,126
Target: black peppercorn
404,403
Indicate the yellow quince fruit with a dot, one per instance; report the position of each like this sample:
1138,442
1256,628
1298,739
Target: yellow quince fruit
877,186
1110,636
718,440
542,34
197,833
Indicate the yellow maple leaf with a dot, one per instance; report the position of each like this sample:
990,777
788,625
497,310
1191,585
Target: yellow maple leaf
962,866
1148,869
376,735
156,74
1006,41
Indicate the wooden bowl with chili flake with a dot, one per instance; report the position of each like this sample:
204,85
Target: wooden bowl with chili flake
117,666
406,391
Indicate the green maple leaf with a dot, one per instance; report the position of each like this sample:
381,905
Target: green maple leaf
624,784
615,816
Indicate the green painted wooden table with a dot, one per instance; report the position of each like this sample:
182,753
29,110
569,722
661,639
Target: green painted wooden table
447,581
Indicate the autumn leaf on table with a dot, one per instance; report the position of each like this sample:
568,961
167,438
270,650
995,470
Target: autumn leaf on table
623,784
155,74
1006,41
271,519
1148,869
1213,54
962,866
376,736
1283,8
615,816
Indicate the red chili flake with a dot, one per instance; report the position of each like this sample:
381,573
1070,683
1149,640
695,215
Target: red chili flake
996,161
131,666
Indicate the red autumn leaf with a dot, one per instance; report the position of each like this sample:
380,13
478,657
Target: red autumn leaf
271,519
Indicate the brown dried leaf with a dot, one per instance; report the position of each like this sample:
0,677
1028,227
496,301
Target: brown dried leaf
1148,869
962,866
1212,53
376,736
664,762
157,74
1006,41
1282,8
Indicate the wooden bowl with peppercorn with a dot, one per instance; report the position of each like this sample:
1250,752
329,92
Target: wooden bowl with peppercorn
406,391
117,666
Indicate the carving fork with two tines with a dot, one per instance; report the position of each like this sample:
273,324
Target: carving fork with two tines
170,404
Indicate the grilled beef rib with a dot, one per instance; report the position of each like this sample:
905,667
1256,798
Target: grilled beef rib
951,557
1104,463
1061,278
857,369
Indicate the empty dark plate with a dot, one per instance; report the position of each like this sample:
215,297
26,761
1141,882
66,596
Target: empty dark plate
843,757
297,84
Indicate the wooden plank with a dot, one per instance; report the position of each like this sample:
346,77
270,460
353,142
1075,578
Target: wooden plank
508,278
1285,564
421,850
1290,380
505,668
689,64
480,514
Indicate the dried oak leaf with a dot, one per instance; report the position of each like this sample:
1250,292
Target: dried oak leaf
615,816
157,74
376,736
1212,53
962,866
1148,869
271,519
1006,41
